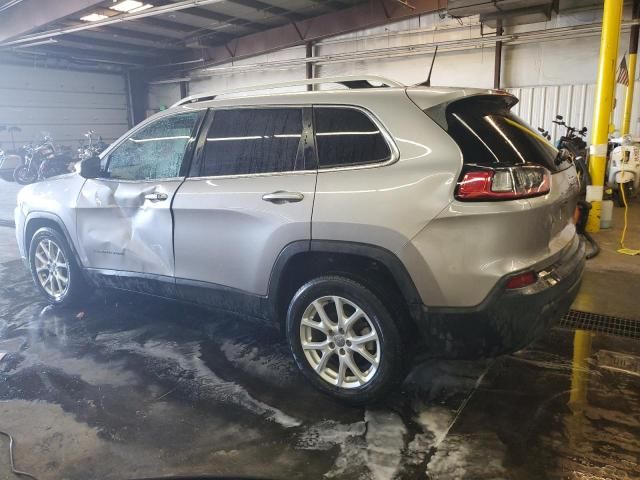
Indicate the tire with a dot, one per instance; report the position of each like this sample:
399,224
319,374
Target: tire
22,176
380,367
43,250
628,192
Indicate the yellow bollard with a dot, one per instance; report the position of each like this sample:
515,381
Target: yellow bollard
603,105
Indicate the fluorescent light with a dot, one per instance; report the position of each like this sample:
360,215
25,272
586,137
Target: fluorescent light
94,17
126,6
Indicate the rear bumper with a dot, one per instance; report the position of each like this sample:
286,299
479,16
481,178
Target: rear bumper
506,321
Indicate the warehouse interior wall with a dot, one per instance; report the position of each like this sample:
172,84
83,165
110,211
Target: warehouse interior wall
550,76
63,103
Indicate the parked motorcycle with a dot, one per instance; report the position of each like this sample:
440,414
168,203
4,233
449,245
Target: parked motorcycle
93,148
573,140
623,169
41,161
8,163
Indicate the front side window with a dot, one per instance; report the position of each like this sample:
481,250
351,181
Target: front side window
154,151
346,137
254,140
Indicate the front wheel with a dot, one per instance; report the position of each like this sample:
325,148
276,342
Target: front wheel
23,175
53,267
344,340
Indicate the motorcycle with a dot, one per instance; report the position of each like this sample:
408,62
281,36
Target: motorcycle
623,169
573,140
41,161
93,148
8,163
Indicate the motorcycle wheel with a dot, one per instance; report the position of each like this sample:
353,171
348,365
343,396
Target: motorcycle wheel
628,192
22,175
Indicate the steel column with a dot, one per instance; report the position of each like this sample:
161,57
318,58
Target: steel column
603,106
497,68
309,65
633,54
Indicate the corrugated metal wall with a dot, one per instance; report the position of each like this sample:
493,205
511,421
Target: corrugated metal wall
540,104
64,103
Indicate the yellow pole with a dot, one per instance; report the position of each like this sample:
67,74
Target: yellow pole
580,369
603,105
633,54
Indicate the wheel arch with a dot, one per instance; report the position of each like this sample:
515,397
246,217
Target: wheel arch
37,220
375,267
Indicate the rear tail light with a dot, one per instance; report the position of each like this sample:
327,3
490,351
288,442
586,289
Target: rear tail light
522,280
510,183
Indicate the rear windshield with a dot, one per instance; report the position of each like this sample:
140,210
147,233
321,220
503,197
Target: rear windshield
489,134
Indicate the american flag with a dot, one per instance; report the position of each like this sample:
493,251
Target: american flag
623,73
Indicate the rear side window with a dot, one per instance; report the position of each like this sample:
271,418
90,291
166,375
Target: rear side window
346,137
254,140
489,134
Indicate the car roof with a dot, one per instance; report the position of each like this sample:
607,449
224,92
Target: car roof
425,97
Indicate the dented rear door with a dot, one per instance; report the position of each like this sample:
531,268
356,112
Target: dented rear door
124,218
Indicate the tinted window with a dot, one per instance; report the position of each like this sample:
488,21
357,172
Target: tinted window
346,136
249,140
488,133
154,151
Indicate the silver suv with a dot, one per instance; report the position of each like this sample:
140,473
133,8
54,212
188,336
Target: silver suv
372,223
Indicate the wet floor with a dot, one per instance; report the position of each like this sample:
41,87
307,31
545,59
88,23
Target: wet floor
127,386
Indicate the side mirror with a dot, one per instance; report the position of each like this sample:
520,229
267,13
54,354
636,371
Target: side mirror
90,168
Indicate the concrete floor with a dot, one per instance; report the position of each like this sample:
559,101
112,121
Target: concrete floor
128,387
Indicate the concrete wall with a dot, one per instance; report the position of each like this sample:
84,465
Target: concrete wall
550,76
62,102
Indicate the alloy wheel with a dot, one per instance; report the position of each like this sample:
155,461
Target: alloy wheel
340,342
52,268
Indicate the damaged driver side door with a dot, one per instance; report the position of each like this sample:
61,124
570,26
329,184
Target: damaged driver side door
124,221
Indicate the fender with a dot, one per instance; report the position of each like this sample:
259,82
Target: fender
373,252
38,215
624,177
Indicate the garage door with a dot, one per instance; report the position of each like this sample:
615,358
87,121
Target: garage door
64,103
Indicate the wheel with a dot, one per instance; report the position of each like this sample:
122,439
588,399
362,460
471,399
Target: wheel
344,340
22,175
628,193
53,267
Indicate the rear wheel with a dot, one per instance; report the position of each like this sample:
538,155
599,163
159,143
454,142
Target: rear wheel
627,190
344,340
53,267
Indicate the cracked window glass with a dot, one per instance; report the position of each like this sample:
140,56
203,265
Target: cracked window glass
155,151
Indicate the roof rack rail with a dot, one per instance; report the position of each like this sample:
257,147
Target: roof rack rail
364,81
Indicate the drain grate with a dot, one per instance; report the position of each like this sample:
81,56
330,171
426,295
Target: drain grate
595,322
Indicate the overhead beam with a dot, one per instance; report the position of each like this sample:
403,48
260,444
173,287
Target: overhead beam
29,15
366,15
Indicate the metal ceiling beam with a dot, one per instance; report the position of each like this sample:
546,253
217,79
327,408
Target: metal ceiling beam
366,15
117,19
86,55
29,15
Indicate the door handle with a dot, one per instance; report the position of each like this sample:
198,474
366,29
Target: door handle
281,197
155,196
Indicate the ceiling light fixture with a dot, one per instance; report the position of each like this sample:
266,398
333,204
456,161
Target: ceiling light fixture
94,17
127,6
